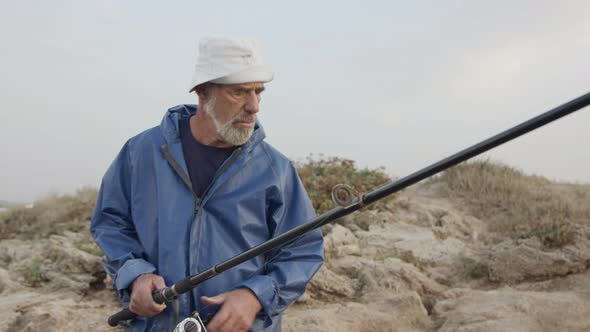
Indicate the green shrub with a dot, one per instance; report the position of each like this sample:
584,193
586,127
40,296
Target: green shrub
478,270
319,176
32,273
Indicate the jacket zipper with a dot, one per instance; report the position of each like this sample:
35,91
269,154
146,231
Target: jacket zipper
220,171
199,201
186,179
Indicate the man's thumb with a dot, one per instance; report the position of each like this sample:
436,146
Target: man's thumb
215,300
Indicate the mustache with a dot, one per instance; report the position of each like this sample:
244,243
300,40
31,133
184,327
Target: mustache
244,118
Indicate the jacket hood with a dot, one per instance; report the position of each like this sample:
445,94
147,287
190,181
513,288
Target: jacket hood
169,125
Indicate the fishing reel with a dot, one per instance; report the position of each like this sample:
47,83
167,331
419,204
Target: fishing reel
191,324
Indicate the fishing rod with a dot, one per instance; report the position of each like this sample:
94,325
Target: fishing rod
349,201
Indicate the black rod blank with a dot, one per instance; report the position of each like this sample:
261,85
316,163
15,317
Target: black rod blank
170,293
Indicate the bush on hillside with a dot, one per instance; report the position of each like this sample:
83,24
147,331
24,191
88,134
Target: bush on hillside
319,176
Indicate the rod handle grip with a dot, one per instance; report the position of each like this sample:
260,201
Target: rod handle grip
124,314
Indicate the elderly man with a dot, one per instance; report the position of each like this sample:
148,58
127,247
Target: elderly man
200,188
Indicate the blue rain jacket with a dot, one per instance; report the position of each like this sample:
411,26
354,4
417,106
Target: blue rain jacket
147,220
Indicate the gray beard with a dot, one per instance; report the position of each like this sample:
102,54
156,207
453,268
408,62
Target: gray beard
229,133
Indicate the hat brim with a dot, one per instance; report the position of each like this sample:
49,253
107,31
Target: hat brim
252,74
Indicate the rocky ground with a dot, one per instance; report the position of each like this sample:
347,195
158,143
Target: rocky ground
419,263
424,265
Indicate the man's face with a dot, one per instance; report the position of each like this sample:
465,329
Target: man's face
233,108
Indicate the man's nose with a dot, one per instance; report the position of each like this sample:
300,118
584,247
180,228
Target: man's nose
252,103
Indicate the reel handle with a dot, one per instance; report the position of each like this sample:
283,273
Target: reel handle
122,315
126,314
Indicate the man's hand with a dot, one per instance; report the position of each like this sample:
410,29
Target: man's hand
237,313
142,288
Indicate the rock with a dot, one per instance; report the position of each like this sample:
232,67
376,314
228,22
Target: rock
399,312
69,259
369,218
30,311
389,239
341,241
373,279
328,286
514,261
339,236
5,282
507,309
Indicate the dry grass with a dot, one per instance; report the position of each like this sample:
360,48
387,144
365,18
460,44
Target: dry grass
89,247
513,203
319,176
52,215
519,205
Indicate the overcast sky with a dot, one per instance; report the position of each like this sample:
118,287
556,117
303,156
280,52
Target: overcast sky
386,83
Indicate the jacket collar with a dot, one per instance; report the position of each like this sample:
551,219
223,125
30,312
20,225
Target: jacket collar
169,126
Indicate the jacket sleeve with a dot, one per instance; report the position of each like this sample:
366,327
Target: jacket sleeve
113,229
290,268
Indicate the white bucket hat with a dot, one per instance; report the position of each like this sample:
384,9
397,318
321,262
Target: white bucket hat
228,60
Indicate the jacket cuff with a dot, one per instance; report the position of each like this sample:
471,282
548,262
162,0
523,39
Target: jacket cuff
267,292
132,269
